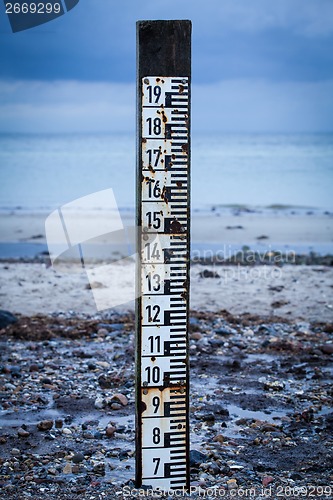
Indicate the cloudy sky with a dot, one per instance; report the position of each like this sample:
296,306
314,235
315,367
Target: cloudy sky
258,66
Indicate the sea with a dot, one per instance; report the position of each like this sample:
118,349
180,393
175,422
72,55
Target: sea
281,171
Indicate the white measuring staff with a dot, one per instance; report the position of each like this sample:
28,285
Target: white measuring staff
163,371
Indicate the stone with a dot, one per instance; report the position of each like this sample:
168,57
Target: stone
115,326
120,398
275,385
232,484
99,403
196,336
104,382
197,458
99,468
225,331
103,364
10,387
327,348
67,469
15,452
110,430
45,425
266,480
59,423
6,318
102,331
66,431
46,380
78,458
94,284
23,433
116,406
206,273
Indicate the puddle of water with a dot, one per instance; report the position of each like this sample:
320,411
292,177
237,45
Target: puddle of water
13,419
250,358
28,417
271,417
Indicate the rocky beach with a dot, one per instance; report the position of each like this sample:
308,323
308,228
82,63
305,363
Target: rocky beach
261,351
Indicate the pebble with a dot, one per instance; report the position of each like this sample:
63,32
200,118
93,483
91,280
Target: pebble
104,382
67,469
66,431
45,425
102,331
196,336
327,348
276,385
15,452
10,387
116,406
206,273
266,480
77,458
110,430
99,403
232,484
23,433
225,331
6,318
103,364
120,398
52,471
99,469
197,457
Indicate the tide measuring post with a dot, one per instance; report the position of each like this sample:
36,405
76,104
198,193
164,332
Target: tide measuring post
163,219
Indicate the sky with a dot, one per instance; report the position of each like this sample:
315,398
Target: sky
257,66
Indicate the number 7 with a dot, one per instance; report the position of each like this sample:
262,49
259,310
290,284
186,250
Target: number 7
157,460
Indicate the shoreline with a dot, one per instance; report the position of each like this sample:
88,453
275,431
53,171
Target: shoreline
272,263
22,234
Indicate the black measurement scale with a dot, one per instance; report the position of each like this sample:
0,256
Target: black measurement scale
163,218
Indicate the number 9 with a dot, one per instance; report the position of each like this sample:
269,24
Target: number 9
156,403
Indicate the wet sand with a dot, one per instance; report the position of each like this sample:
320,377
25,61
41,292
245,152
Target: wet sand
290,291
222,227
